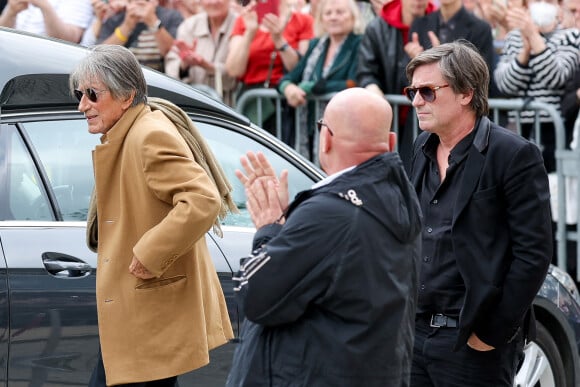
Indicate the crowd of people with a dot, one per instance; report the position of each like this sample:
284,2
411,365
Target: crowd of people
311,47
418,268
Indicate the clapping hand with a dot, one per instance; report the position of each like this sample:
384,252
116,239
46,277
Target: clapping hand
267,195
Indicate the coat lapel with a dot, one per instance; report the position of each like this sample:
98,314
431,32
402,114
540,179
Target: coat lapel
474,164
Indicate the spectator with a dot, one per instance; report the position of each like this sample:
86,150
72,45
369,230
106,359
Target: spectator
449,23
146,28
328,66
538,60
62,19
382,58
159,300
494,12
332,283
486,242
200,51
571,97
102,10
261,51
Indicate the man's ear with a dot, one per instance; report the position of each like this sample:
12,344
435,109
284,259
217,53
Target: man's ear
128,101
325,141
392,141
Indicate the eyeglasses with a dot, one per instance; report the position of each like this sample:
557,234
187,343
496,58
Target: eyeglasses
320,123
90,93
427,92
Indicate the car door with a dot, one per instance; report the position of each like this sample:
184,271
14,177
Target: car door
46,183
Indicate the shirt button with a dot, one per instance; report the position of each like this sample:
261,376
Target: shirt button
422,287
435,201
429,230
427,259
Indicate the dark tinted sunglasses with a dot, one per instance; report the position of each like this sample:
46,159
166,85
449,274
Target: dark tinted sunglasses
427,92
91,94
320,124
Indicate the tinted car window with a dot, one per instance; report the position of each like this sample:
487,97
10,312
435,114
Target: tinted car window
229,146
27,199
65,150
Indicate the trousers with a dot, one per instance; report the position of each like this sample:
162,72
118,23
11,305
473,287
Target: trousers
98,378
435,364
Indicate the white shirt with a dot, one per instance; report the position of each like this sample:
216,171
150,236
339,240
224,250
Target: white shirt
75,12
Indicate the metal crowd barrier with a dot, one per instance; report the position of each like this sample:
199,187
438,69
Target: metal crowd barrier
567,161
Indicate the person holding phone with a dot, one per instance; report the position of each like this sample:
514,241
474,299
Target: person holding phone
262,50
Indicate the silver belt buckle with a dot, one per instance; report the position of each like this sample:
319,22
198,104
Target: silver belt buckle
434,324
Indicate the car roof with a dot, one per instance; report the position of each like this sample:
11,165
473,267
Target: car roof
34,73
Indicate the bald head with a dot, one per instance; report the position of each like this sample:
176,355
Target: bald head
360,122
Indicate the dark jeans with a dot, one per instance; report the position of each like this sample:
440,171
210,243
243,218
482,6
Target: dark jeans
98,378
436,365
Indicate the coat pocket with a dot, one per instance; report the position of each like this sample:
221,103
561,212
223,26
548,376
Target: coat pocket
159,282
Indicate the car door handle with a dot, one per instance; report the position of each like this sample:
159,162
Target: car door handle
64,265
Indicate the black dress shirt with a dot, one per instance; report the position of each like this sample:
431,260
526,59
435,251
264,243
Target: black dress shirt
441,287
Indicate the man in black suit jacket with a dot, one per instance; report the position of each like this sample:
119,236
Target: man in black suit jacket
487,241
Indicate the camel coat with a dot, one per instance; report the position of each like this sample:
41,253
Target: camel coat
154,202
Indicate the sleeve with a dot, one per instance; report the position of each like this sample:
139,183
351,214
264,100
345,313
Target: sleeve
509,75
172,21
306,29
239,27
527,198
295,75
370,67
109,26
554,68
294,268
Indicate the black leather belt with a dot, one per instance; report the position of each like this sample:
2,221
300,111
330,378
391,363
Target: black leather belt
441,321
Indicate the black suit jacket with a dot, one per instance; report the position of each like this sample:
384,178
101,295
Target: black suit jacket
501,230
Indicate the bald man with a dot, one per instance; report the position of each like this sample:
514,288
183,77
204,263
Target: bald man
329,289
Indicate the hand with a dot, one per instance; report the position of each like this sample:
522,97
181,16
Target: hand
138,270
413,47
250,17
262,202
433,38
476,344
295,95
257,167
275,26
14,7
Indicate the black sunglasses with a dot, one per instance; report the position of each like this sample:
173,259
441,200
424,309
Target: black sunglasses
91,94
320,124
427,92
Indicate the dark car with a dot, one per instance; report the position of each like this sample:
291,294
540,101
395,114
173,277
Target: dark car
48,321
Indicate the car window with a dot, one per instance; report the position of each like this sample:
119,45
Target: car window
65,150
229,146
26,199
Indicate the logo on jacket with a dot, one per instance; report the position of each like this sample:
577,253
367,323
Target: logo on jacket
352,197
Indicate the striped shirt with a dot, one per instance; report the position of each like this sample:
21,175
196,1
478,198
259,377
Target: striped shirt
545,76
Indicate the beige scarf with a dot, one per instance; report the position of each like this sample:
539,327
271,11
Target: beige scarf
202,154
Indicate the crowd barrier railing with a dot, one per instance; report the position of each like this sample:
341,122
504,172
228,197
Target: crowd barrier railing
567,161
